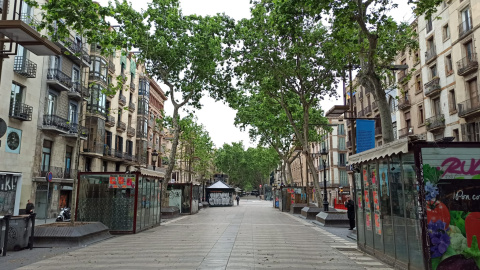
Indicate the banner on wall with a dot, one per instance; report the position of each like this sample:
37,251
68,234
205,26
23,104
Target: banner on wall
121,181
365,135
451,179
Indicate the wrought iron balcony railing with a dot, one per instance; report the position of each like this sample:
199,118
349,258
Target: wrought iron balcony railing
80,89
401,76
465,27
368,110
469,106
435,122
110,121
404,132
23,66
467,65
57,122
129,156
130,131
430,54
78,129
432,87
57,172
21,111
404,102
28,19
131,106
132,86
121,126
59,76
378,131
349,144
141,134
111,66
122,99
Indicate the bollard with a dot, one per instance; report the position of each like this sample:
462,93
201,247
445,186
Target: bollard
7,226
32,236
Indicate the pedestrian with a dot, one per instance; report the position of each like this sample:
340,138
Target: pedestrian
238,199
29,208
349,204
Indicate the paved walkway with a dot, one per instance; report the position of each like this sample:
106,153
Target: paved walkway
253,235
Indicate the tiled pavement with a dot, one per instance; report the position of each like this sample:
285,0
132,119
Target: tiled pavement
250,236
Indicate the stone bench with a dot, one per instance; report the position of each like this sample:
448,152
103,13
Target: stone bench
170,212
333,219
296,208
64,234
309,212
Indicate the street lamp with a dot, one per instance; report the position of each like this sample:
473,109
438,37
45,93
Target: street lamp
154,158
324,155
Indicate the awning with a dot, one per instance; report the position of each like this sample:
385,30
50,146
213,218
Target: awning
152,173
392,148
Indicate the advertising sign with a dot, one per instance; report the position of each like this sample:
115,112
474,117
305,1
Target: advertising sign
365,135
452,196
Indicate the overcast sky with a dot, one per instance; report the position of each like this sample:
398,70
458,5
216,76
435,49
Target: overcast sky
217,117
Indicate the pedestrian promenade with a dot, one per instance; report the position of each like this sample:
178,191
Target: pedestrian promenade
253,235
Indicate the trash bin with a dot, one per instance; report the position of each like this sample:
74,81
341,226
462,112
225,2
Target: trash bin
19,232
2,234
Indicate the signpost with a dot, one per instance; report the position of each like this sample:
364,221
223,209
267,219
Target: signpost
49,178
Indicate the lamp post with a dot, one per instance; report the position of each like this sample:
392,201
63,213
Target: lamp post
154,158
324,155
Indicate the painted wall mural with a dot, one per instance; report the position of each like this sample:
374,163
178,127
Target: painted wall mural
220,198
8,190
452,196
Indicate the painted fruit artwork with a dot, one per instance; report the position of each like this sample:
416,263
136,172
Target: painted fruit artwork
436,210
472,226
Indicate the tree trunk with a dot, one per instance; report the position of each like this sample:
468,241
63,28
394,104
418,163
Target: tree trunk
173,152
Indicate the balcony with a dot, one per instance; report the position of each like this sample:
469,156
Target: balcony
368,110
430,54
24,67
378,131
151,123
76,129
110,121
96,76
78,91
77,51
467,65
131,107
436,122
149,144
349,144
111,66
56,123
360,113
59,80
375,106
469,107
121,126
90,149
132,87
404,132
118,154
130,132
26,18
141,134
432,87
57,172
21,111
122,100
129,157
465,28
402,75
141,159
404,102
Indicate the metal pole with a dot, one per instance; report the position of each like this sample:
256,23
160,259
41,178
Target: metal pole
46,203
325,201
5,239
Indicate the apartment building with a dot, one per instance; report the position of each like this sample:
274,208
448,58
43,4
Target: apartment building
155,134
411,107
450,70
23,83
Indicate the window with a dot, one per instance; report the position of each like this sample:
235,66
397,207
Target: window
417,57
72,114
391,103
452,103
129,148
436,106
98,68
341,129
54,63
75,74
341,143
46,154
97,102
429,25
119,116
466,21
342,159
446,32
469,50
421,115
119,143
343,178
418,84
16,97
68,159
430,47
407,120
108,138
433,71
448,65
52,104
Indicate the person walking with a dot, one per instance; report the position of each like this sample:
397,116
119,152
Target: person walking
29,208
238,200
349,204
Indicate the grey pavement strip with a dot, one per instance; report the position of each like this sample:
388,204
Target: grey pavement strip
253,235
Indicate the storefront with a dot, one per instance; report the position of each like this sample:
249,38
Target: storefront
415,203
125,203
10,189
185,196
220,194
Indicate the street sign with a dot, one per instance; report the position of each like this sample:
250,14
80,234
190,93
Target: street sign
49,176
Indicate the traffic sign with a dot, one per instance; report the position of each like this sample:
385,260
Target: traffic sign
49,176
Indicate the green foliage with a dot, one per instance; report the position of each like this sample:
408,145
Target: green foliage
431,174
473,251
246,168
